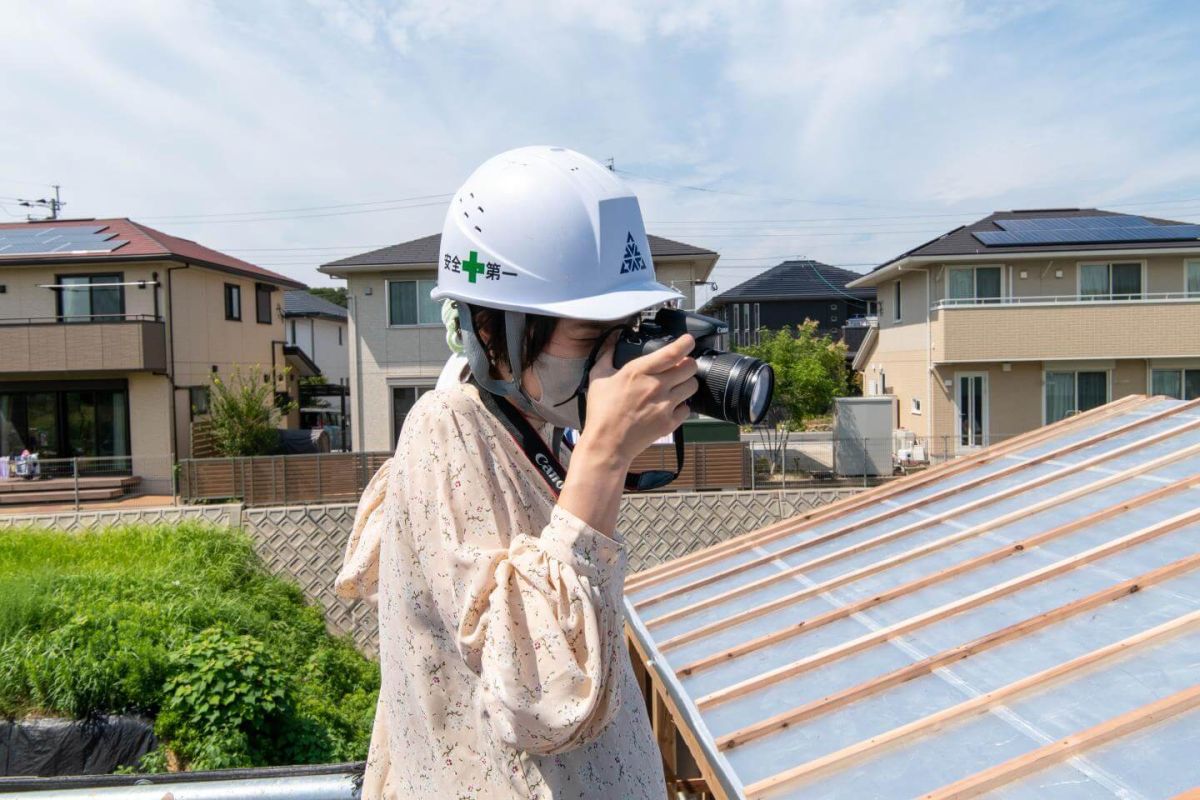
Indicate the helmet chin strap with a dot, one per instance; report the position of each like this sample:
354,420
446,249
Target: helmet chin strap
477,358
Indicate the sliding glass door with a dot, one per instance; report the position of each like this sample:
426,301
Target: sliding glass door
971,401
1070,392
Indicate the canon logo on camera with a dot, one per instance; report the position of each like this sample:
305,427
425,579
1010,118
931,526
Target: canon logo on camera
542,461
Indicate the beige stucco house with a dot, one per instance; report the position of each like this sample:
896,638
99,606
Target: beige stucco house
110,332
1025,317
398,343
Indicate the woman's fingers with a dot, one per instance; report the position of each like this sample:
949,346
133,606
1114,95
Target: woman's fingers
667,357
679,373
682,391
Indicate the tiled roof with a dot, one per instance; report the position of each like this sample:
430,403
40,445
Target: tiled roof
961,241
425,251
794,280
300,303
143,241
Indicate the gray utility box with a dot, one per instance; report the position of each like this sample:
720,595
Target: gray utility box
862,435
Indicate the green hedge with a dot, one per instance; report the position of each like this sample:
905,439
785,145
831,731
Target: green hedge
182,623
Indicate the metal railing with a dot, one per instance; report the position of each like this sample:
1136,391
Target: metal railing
1066,299
34,479
79,319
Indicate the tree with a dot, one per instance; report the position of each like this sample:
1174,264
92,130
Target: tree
810,371
334,294
243,412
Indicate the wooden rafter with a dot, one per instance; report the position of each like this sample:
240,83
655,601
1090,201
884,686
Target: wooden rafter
951,655
897,533
999,554
976,705
1110,730
949,609
848,505
885,564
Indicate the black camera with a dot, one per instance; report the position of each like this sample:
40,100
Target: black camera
733,387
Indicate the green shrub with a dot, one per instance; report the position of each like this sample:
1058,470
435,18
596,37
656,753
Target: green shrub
182,623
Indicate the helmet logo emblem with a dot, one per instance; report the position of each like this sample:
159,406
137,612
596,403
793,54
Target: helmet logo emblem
633,260
473,266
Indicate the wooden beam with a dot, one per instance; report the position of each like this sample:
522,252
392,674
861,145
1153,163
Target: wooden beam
885,564
949,656
707,770
976,705
1110,730
949,609
896,533
720,550
999,554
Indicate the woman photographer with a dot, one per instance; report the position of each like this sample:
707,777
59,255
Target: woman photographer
505,672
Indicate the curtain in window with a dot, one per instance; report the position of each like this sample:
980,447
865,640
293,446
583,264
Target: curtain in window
1191,384
1093,280
1166,382
962,284
1092,390
1127,280
1060,395
429,312
987,283
402,303
1192,279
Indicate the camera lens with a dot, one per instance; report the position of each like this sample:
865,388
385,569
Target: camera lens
733,387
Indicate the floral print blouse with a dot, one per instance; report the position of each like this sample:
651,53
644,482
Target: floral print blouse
505,669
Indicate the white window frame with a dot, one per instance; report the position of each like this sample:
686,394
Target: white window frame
387,304
757,323
975,281
896,298
421,387
1079,265
1188,263
987,412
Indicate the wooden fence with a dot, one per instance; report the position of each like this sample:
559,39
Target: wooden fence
279,480
341,477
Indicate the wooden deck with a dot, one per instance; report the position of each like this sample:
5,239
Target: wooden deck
17,491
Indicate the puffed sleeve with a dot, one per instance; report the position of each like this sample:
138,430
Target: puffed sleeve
359,575
538,619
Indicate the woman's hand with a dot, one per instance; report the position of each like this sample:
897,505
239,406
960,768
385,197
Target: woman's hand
631,407
627,409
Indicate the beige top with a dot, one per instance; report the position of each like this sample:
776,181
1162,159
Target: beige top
505,668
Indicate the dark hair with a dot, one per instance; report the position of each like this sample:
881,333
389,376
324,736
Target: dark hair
489,325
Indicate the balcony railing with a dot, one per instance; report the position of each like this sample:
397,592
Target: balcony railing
1066,299
105,342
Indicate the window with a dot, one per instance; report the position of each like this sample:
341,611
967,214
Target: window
1069,393
1110,281
262,303
292,335
754,327
339,335
736,327
198,400
403,399
916,406
90,298
409,303
1191,278
1182,384
896,302
233,302
974,283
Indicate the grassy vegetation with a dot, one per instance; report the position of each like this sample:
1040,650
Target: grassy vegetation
181,622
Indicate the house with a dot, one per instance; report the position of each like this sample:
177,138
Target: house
790,293
318,329
398,342
110,333
1026,317
1022,622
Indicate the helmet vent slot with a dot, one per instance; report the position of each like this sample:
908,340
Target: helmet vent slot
479,229
480,209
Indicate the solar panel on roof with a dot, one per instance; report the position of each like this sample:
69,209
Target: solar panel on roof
1084,230
58,239
961,631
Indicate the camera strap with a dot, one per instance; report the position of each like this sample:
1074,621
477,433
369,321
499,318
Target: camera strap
546,462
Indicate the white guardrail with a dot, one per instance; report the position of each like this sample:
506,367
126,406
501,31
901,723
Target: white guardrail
1066,299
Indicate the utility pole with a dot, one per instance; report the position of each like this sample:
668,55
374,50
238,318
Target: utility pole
608,162
54,204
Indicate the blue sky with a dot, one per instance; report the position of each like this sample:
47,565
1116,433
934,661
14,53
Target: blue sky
841,131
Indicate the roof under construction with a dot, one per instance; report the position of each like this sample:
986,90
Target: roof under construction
1023,622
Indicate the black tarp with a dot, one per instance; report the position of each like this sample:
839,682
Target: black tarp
53,746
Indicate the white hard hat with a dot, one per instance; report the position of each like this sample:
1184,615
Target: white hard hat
546,230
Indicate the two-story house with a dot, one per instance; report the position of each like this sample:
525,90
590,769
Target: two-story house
790,293
110,333
398,342
1026,317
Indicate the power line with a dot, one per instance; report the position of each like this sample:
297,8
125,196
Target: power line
284,218
305,208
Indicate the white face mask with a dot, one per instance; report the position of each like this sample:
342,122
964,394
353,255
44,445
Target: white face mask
559,378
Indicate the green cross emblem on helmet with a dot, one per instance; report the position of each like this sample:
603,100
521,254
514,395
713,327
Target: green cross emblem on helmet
473,266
